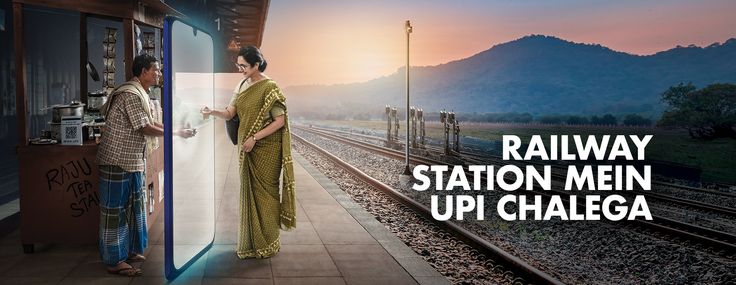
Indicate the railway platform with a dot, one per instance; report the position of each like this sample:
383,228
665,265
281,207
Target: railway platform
335,242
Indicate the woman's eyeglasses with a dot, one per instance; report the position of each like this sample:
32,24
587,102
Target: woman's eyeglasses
241,67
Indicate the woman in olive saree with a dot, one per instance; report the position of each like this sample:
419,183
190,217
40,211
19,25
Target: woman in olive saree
262,213
265,156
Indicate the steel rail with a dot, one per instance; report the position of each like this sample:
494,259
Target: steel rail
528,272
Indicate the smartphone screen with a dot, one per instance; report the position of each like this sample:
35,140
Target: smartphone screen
189,165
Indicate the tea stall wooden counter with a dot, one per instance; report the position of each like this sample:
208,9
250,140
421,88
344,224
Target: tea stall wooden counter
59,197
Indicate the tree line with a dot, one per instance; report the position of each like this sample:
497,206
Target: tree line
706,113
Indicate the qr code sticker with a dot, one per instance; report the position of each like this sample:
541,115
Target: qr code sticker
71,132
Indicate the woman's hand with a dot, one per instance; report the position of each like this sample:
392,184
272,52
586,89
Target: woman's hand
249,143
226,114
206,112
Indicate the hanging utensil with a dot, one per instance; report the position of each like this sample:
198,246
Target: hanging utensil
92,71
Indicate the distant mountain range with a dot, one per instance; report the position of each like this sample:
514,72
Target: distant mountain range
536,74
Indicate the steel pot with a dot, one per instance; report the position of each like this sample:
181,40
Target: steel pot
95,100
67,110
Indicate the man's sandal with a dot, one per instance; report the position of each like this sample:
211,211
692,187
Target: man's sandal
136,258
126,271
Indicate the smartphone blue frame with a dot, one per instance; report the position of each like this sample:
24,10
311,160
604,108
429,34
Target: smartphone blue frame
171,271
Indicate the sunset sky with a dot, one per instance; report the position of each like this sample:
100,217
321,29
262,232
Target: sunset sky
330,42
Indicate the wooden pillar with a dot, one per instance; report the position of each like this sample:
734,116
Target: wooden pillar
21,100
264,12
83,57
129,44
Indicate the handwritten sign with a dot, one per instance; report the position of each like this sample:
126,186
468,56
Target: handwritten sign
73,178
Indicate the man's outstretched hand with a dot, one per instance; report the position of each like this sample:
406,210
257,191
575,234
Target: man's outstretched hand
186,133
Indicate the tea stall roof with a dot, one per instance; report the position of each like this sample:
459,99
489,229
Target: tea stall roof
237,22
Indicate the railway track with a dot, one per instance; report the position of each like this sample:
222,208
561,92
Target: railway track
472,158
529,273
557,173
717,241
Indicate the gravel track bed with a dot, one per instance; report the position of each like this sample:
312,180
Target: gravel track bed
721,222
713,199
572,251
726,189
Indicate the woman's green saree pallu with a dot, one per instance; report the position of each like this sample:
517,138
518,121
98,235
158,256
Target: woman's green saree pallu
262,214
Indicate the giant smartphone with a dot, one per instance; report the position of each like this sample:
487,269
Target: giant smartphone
189,165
